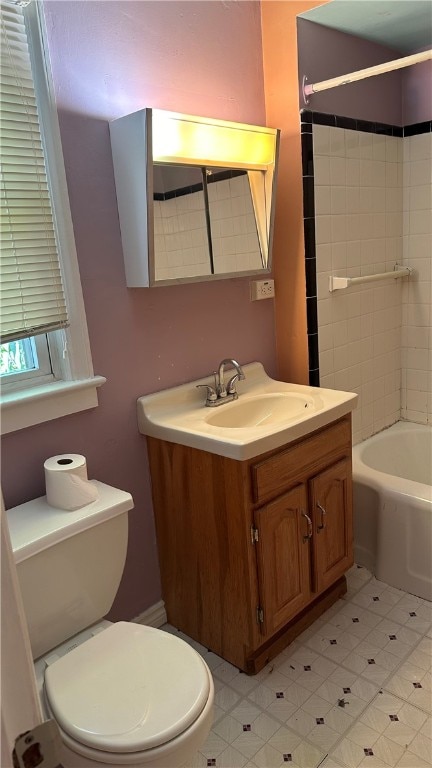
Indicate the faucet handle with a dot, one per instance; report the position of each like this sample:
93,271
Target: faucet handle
211,392
231,388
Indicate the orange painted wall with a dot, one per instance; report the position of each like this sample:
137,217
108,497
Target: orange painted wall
279,37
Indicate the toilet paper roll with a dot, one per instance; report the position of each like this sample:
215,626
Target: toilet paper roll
66,483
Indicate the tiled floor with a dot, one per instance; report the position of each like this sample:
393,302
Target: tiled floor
353,690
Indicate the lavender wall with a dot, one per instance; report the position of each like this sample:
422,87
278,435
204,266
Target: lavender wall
417,93
108,59
326,53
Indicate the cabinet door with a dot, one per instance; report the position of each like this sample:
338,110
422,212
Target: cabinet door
331,510
283,558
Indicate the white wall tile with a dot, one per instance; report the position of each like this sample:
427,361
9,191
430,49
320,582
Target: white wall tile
373,200
321,139
323,229
321,168
337,171
417,292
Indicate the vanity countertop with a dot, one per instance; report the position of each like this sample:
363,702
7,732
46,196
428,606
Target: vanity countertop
267,415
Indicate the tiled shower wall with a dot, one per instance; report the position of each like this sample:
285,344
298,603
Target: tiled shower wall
368,207
358,181
416,384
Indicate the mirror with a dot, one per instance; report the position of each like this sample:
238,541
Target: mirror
181,246
203,209
204,223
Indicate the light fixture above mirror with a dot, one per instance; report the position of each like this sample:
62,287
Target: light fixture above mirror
195,196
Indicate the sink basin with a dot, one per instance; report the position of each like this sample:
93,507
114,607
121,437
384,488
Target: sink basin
260,411
267,415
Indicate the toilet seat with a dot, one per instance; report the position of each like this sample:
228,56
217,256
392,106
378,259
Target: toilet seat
128,689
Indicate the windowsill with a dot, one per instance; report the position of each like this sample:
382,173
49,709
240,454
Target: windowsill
36,405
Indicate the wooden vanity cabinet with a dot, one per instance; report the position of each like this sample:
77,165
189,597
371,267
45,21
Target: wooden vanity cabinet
251,552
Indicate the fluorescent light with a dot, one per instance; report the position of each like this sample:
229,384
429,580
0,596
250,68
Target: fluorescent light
178,138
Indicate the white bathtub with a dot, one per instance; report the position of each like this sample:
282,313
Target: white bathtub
392,474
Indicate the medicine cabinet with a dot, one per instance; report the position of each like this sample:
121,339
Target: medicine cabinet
195,197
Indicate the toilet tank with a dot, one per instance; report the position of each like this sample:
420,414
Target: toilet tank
69,563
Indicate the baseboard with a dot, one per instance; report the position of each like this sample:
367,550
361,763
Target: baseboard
154,616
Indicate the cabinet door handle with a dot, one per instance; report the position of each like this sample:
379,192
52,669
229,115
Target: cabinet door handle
309,524
323,517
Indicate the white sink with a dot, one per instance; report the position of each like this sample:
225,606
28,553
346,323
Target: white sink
267,414
260,411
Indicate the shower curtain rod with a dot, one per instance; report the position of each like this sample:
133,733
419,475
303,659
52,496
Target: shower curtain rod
361,74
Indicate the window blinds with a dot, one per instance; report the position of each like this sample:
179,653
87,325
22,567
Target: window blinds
31,292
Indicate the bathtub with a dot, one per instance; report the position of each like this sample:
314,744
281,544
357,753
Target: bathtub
392,473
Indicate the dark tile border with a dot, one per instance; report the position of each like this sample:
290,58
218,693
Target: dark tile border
310,249
309,118
307,154
417,128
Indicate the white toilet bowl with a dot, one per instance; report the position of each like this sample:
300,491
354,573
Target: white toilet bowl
129,695
122,694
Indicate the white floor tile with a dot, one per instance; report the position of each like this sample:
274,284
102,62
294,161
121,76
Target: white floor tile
285,741
348,753
277,681
316,706
339,719
225,672
375,718
245,712
410,760
296,694
310,680
426,728
304,655
290,669
400,733
421,698
262,696
269,757
373,762
353,691
198,761
228,728
282,709
231,758
362,735
330,762
375,606
307,756
226,698
323,737
242,683
422,747
336,653
213,745
387,703
248,743
301,722
265,726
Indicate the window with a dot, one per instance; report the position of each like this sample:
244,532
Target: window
45,362
25,360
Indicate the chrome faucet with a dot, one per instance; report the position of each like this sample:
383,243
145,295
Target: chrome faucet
219,393
230,388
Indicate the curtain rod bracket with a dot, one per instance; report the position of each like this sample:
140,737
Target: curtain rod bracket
305,90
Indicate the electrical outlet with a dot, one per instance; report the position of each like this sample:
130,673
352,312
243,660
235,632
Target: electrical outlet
262,289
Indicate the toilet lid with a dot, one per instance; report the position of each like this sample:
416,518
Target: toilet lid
127,689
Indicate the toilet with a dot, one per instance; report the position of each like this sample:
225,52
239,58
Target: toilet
122,694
